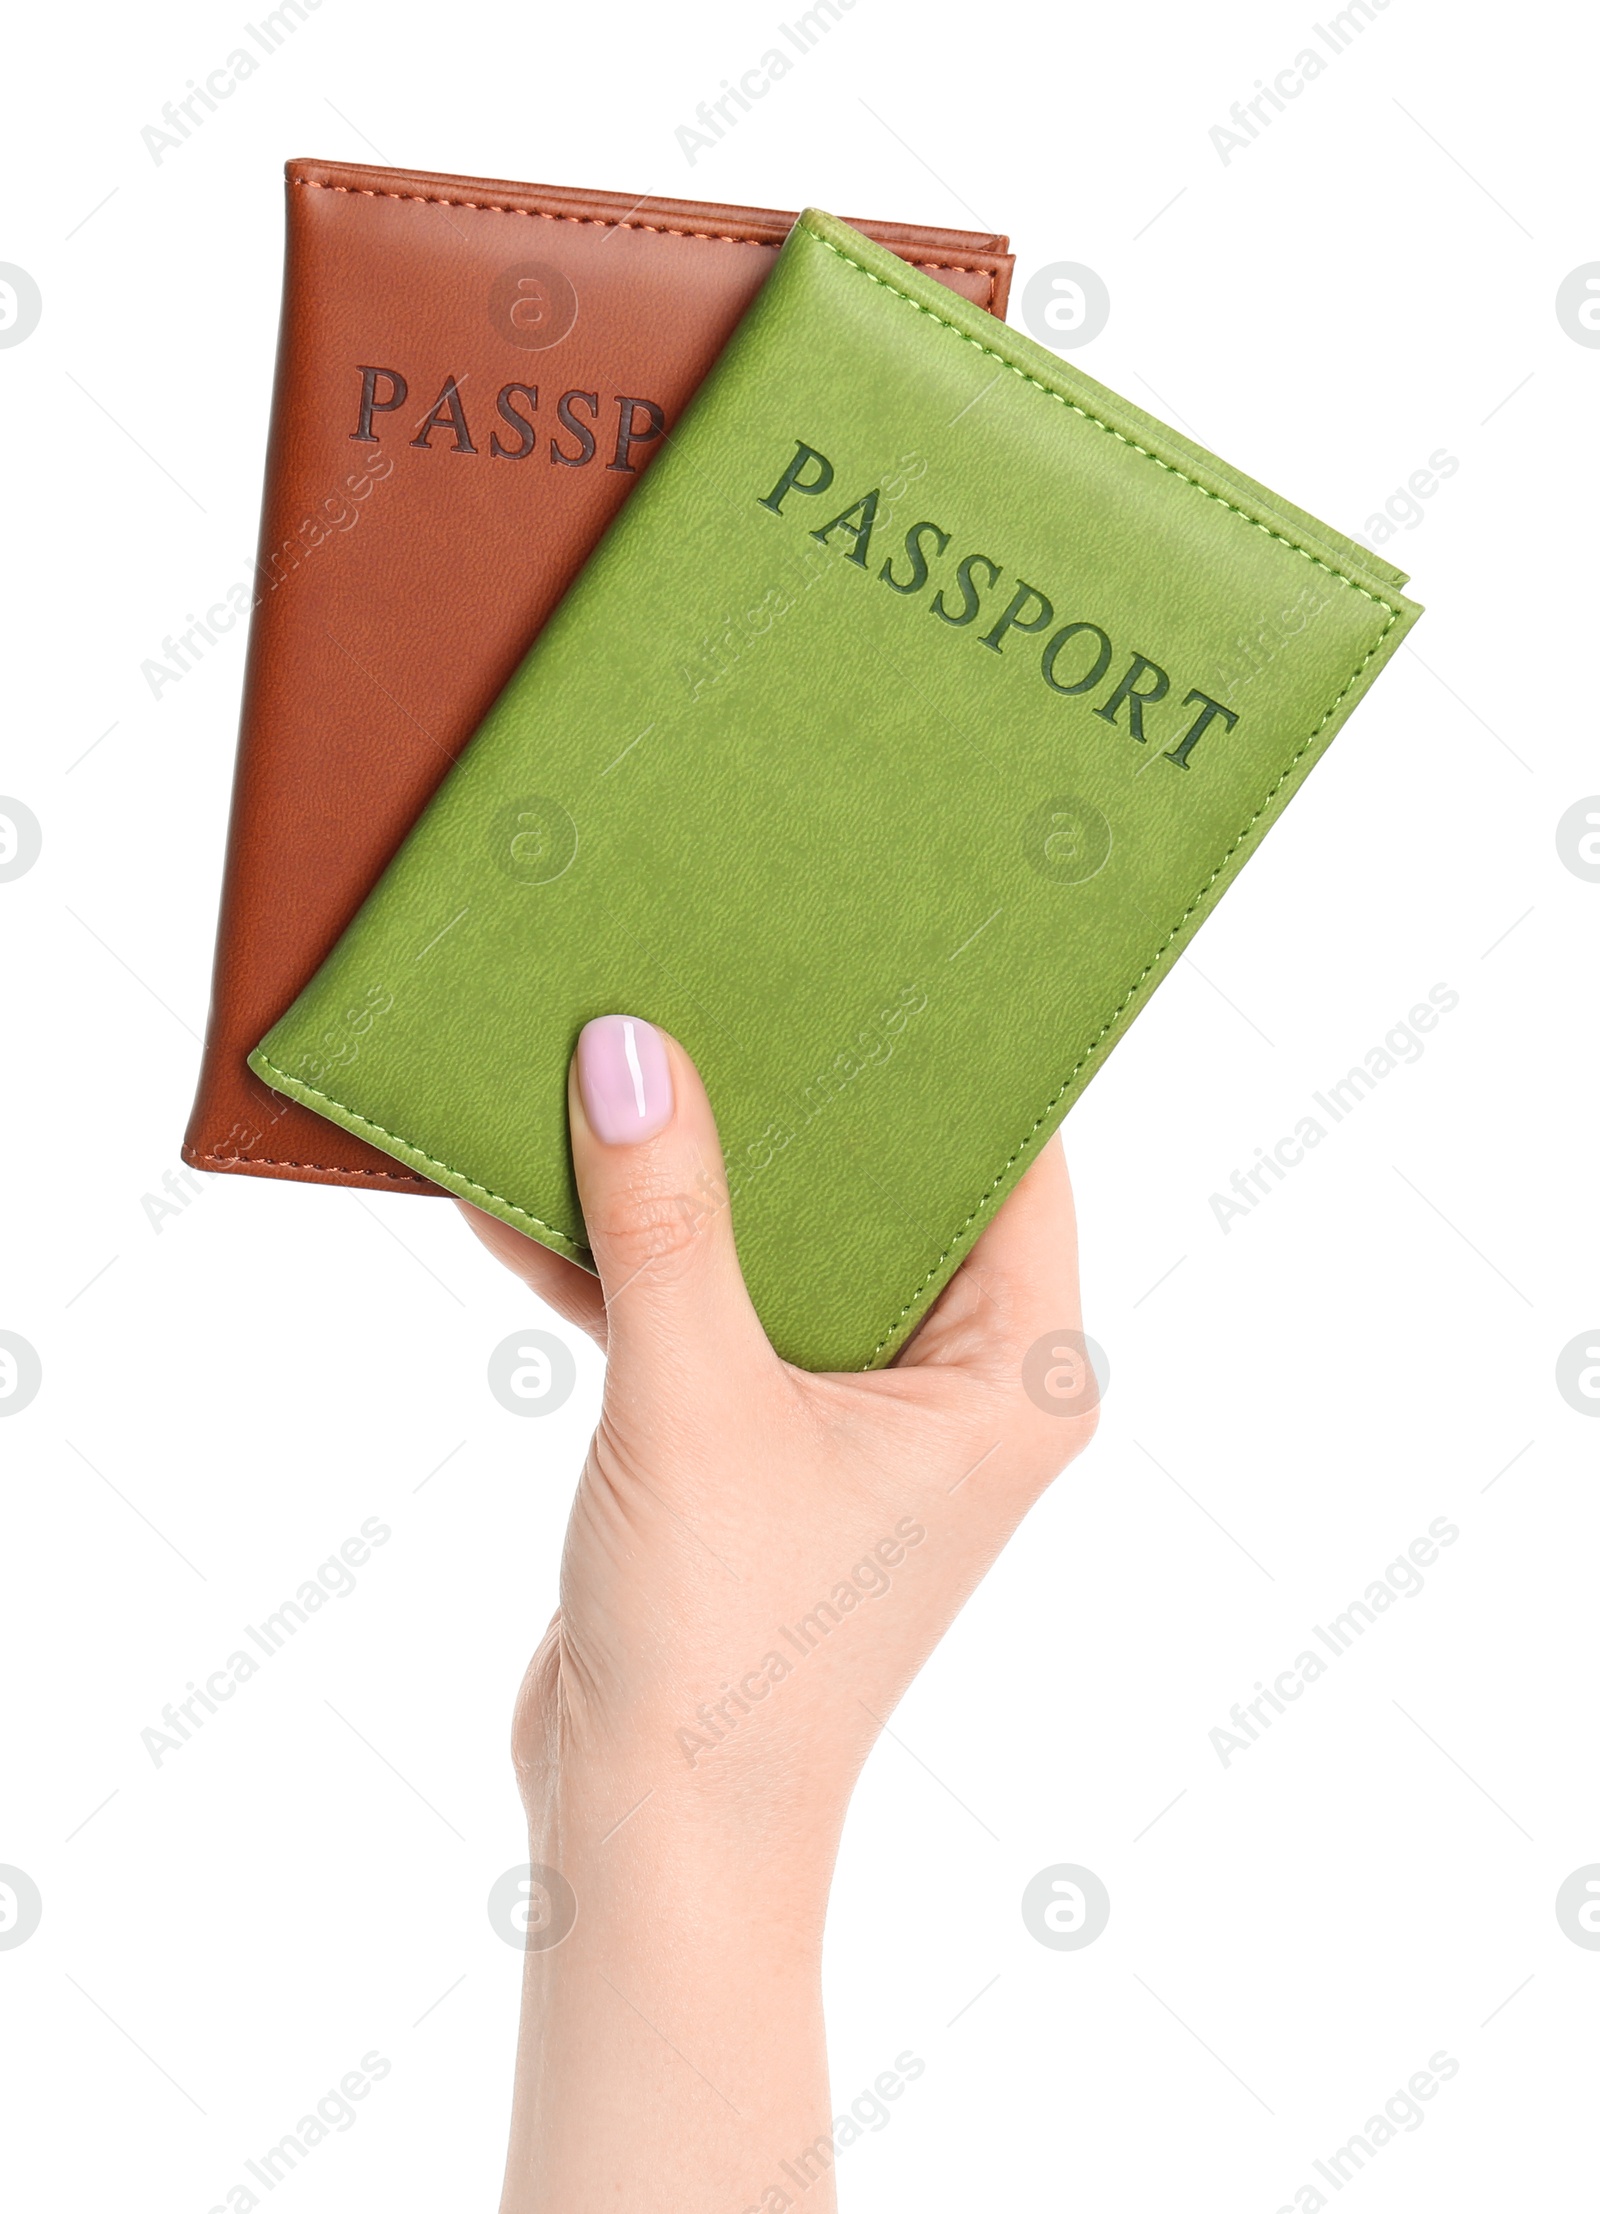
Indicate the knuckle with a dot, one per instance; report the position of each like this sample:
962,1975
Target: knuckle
646,1223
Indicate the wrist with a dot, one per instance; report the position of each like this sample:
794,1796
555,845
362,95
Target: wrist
738,1810
673,2047
692,1851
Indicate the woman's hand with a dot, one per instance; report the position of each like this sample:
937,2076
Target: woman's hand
758,1562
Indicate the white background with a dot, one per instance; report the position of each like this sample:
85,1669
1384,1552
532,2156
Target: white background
227,1399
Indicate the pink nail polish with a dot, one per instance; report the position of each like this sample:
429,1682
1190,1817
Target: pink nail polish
624,1079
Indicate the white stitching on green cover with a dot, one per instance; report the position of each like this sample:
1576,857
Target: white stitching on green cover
1089,416
297,1088
988,1198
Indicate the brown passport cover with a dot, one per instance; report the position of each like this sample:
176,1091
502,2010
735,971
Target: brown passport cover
471,377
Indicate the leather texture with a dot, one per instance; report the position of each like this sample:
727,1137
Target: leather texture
402,573
902,869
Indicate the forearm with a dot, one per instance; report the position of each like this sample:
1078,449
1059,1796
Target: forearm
671,2051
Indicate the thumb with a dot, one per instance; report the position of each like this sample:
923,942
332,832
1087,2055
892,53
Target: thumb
655,1201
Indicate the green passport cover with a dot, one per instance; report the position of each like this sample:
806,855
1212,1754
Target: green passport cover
895,741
